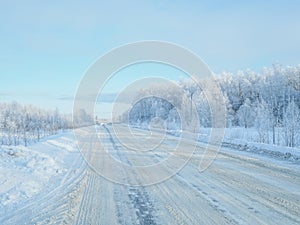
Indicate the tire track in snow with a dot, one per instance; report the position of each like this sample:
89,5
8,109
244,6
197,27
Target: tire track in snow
138,196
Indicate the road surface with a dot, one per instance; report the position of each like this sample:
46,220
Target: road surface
235,189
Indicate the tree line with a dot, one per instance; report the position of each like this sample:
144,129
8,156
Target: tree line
24,124
267,102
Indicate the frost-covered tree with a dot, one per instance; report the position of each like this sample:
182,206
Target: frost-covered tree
191,88
246,114
203,108
263,121
291,121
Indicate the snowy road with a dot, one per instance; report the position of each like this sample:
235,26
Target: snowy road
235,189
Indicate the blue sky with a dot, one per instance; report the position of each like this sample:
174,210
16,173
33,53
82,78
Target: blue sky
45,47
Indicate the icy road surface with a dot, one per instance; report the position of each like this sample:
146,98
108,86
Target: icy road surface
236,189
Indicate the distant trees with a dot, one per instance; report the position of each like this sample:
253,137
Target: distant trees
24,124
156,102
81,118
147,109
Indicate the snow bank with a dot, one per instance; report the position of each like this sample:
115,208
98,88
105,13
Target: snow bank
39,168
236,140
274,151
23,173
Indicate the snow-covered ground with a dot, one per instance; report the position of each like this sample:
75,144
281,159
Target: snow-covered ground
50,183
29,173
